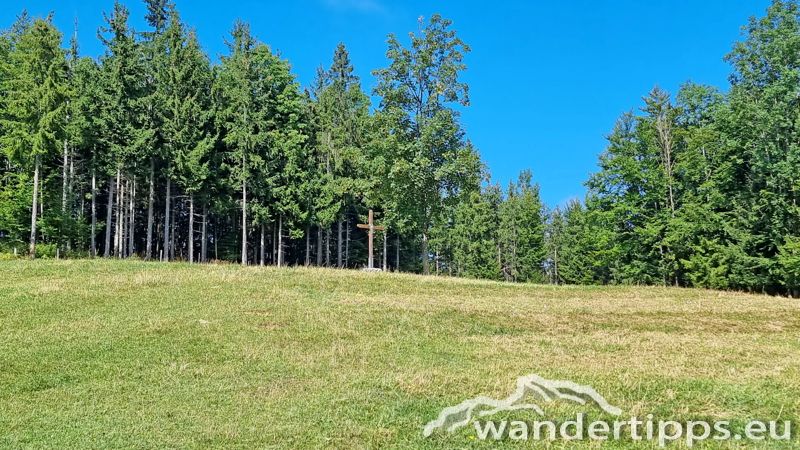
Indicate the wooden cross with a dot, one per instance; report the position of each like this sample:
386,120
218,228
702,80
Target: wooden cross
370,227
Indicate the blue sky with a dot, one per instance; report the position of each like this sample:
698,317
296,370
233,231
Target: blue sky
547,79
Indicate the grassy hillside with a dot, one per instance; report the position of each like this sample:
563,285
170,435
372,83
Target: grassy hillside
107,354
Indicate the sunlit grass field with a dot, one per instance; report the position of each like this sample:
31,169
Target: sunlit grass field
107,354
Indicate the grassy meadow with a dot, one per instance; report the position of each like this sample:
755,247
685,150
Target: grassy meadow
108,354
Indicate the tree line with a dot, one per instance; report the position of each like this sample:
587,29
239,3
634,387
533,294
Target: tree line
154,150
700,189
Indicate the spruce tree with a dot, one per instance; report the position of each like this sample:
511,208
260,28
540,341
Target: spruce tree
36,90
122,116
186,81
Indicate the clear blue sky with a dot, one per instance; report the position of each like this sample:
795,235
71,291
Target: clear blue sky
547,78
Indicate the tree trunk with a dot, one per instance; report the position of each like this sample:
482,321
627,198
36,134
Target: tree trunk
555,263
70,198
328,247
244,223
64,196
450,260
397,261
150,200
506,273
339,247
132,216
263,244
165,256
204,237
319,246
92,248
385,248
120,212
126,185
308,246
191,229
172,248
426,270
347,242
280,240
32,250
109,212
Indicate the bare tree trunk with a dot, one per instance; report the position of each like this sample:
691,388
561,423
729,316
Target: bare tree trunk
499,263
339,247
244,222
308,246
216,233
150,200
93,248
450,262
70,196
159,232
385,251
397,262
63,197
132,216
280,240
347,242
328,247
110,209
165,256
426,270
172,248
32,249
555,263
204,242
191,229
120,223
123,239
263,244
274,254
319,246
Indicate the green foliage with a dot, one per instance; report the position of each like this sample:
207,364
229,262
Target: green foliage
122,89
431,163
35,90
475,237
185,81
522,231
699,189
15,202
341,119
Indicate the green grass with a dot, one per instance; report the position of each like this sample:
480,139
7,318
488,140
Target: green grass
106,354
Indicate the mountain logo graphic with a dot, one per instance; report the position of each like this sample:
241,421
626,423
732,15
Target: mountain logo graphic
528,387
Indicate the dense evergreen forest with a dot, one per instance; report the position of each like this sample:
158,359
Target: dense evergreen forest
155,151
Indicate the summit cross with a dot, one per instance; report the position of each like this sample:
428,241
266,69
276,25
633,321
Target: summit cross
371,227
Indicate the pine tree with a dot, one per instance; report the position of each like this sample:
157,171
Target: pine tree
153,99
186,79
122,117
521,231
36,90
244,117
341,114
476,246
759,175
